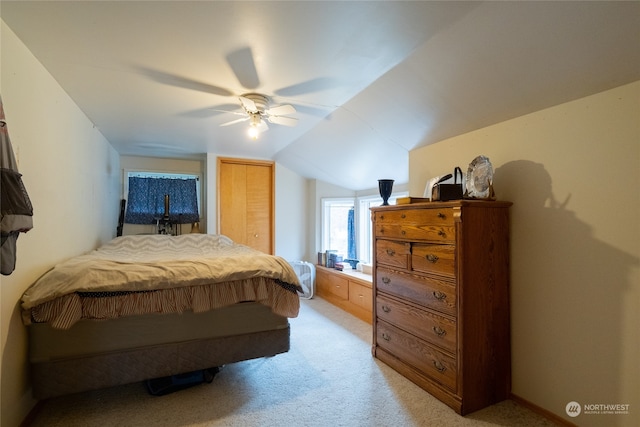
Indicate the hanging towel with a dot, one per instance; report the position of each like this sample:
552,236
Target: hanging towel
15,206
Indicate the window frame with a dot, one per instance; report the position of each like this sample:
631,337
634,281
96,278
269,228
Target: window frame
364,233
325,202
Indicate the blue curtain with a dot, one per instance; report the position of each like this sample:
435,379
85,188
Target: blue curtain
351,230
145,203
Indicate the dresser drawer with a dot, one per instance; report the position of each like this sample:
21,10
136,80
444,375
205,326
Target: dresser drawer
417,224
395,254
433,233
430,292
438,259
361,296
418,353
439,216
427,325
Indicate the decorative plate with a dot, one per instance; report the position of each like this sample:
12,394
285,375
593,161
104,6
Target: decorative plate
479,181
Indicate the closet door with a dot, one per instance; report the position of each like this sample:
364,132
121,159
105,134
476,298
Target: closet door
246,202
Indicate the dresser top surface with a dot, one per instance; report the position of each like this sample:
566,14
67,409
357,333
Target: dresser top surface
449,204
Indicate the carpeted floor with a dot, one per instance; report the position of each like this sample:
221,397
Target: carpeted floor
328,378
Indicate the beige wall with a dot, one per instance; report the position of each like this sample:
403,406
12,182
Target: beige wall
573,174
72,176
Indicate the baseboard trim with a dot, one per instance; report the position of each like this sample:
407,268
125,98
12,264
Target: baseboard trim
541,411
31,416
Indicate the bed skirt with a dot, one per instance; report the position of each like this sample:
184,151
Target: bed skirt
56,378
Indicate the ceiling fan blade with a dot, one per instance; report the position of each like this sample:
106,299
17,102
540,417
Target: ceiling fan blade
282,120
248,104
243,66
233,122
183,82
237,113
282,110
309,86
213,111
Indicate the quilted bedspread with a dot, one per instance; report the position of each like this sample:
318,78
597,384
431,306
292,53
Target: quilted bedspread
160,274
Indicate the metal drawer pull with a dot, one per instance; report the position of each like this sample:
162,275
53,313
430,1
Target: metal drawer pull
403,232
439,331
442,233
432,258
440,296
441,215
391,252
386,336
386,280
386,309
403,216
439,366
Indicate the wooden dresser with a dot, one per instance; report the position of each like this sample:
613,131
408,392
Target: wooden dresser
348,289
441,292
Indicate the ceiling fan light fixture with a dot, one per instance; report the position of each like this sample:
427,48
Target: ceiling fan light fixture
254,124
253,132
256,111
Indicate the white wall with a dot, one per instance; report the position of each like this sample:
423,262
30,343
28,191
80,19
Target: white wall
72,176
573,174
292,219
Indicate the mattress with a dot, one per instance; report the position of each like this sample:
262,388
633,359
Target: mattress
134,275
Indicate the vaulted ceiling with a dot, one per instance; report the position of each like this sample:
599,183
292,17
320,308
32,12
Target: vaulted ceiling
370,80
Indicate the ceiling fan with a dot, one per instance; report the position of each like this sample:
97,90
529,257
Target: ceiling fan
256,110
255,106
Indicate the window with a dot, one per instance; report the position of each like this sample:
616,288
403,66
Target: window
146,197
335,226
346,225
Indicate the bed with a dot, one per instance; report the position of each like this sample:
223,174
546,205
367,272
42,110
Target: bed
149,306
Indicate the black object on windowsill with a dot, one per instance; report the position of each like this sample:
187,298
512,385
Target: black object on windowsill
352,262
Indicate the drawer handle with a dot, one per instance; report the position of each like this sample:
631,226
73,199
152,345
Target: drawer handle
432,258
403,232
381,216
403,216
439,366
440,296
386,309
386,280
441,215
439,331
391,252
442,233
386,336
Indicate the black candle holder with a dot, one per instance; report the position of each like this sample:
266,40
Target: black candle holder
386,187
